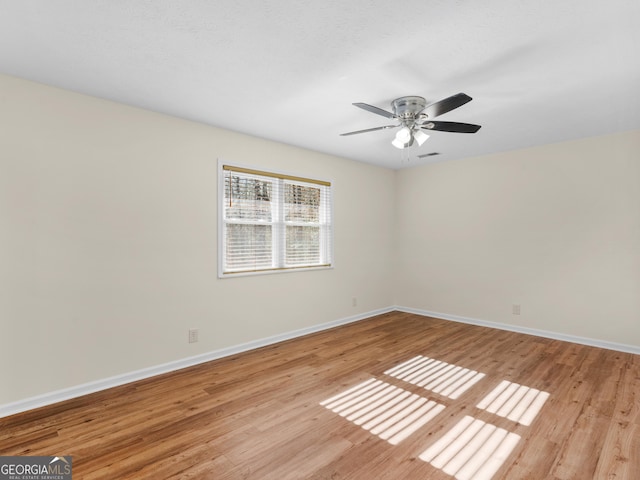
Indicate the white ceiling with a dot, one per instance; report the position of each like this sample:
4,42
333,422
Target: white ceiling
539,71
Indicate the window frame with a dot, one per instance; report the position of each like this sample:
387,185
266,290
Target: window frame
279,225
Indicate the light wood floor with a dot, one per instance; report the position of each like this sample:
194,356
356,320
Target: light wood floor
294,411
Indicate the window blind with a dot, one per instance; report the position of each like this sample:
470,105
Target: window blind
273,221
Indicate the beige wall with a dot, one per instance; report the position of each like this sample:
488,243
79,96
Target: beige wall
108,241
555,229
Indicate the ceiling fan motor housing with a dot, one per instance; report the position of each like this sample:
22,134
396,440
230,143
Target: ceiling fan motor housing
408,107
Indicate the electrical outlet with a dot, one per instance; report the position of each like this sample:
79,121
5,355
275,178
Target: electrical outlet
515,309
193,335
354,301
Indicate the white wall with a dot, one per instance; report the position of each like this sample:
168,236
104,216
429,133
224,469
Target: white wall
108,241
555,229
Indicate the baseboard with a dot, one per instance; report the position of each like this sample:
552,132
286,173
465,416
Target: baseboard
620,347
106,383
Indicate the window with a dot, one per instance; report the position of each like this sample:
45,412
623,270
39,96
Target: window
272,222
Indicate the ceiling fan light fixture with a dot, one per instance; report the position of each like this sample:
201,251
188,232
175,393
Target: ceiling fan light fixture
403,138
403,135
420,137
399,144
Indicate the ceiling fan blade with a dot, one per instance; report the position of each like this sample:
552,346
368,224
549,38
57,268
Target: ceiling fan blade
368,130
376,110
446,105
456,127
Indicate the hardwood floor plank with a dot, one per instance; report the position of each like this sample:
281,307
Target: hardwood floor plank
259,414
620,455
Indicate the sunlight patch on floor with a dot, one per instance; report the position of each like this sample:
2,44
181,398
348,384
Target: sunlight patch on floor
471,450
515,402
437,376
385,410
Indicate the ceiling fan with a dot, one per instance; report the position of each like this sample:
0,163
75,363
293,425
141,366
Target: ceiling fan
415,116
